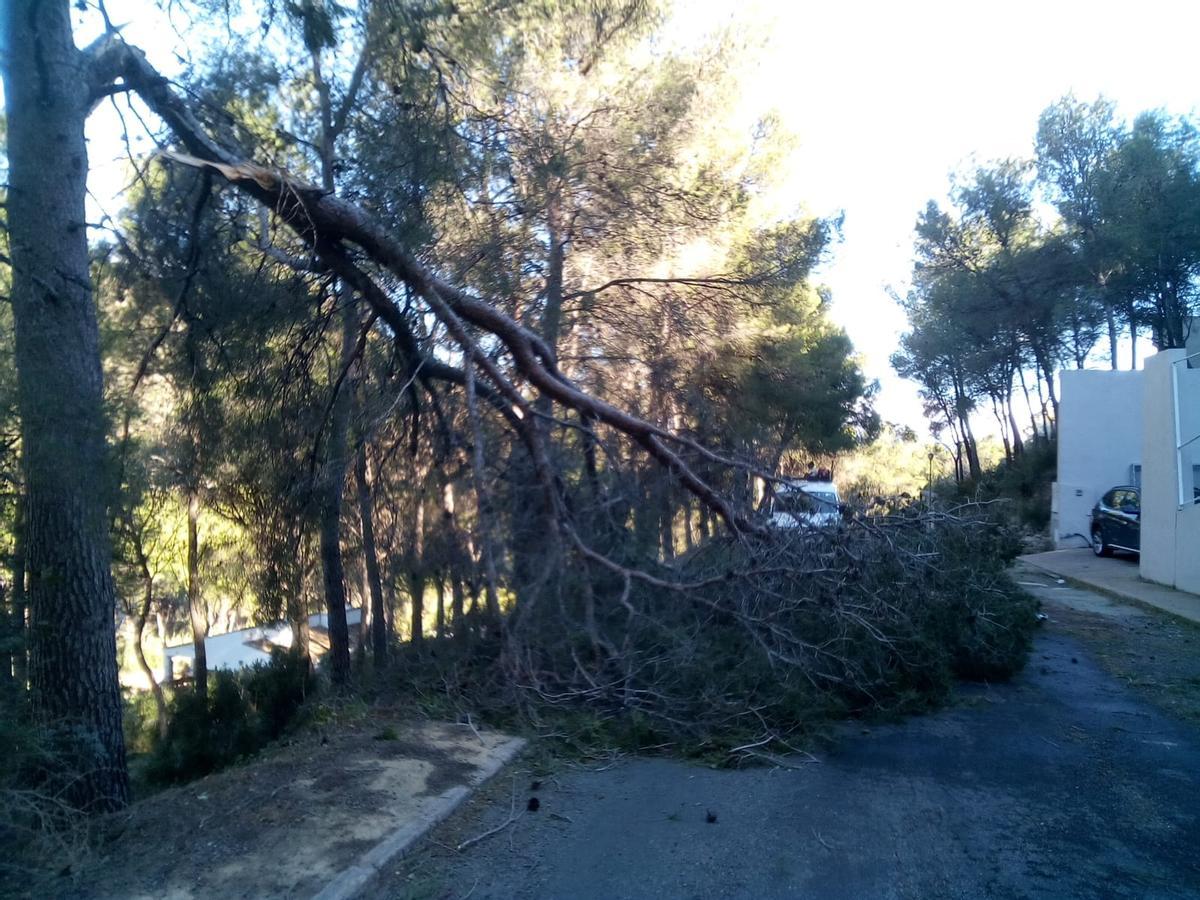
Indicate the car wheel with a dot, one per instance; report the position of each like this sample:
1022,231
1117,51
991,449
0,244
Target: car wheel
1098,546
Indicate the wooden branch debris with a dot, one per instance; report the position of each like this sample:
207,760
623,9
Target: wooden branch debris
329,224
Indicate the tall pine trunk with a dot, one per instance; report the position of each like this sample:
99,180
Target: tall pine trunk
20,659
379,624
72,638
332,492
197,615
139,649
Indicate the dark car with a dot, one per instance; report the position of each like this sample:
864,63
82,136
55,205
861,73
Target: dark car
1116,521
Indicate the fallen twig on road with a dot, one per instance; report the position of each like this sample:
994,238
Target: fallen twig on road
514,815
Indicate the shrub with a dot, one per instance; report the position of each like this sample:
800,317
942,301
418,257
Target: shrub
278,689
140,721
1023,484
242,713
43,832
751,642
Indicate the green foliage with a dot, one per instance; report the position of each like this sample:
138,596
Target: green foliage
1001,290
241,714
140,721
1022,485
44,833
277,690
864,620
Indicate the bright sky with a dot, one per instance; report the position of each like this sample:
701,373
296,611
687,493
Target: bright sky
887,99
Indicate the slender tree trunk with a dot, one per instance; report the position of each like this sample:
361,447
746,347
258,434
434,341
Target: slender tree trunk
1033,433
1133,336
333,485
457,612
1018,443
379,627
1002,421
332,492
1047,370
556,258
1111,321
72,643
439,585
139,626
416,589
1042,405
666,522
196,611
7,643
482,498
19,605
972,449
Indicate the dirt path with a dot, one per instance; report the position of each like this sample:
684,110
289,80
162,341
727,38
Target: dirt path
1079,779
285,823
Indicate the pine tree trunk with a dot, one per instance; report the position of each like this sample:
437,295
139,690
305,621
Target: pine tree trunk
72,641
7,643
1111,321
20,661
439,587
483,501
160,702
379,626
332,491
457,598
196,612
416,589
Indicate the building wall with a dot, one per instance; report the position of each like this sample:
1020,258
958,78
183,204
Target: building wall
1099,439
1187,549
1170,529
234,650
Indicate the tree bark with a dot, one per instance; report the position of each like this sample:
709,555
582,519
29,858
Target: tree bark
139,625
457,598
332,492
333,485
20,661
380,637
72,645
416,590
197,614
439,586
416,574
482,501
1111,321
7,643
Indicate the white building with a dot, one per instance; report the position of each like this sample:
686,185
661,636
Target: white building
1140,428
247,646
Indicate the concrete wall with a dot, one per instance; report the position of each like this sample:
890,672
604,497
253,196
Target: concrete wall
1187,549
234,650
1170,529
1099,438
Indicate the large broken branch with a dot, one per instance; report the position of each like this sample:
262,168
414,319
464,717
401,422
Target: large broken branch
327,223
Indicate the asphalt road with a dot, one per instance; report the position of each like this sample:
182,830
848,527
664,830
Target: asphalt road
1064,783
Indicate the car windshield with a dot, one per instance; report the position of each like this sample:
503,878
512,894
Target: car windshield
799,501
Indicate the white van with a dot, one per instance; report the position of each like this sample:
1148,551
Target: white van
805,504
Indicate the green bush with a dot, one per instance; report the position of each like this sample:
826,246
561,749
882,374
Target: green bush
140,720
278,689
43,832
1022,484
781,633
241,714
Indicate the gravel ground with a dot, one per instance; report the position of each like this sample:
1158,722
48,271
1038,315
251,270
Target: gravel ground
1081,778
